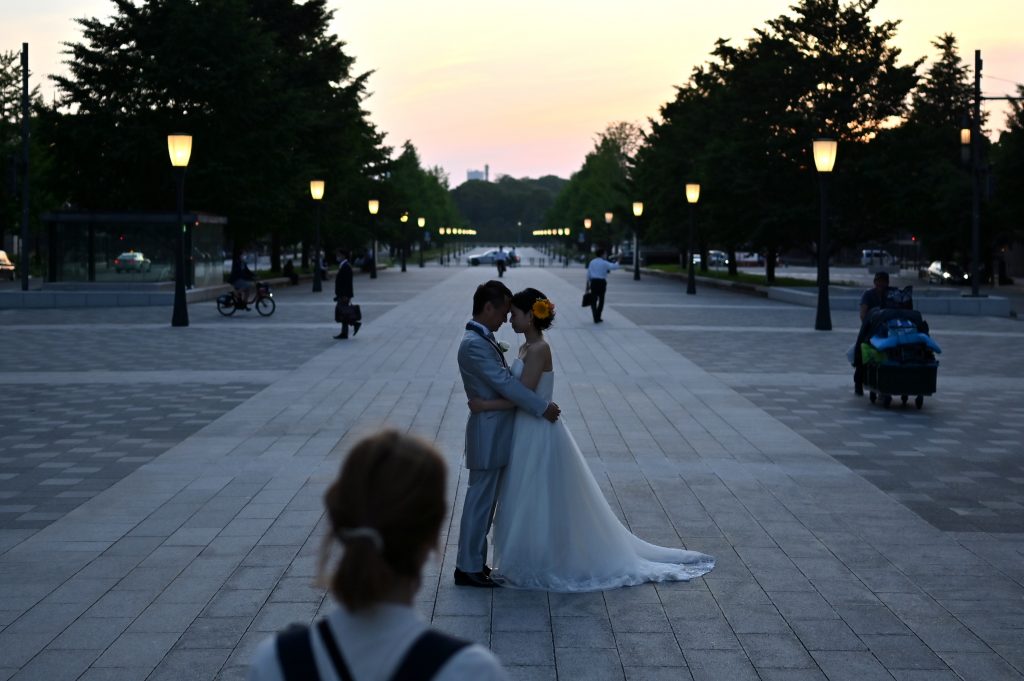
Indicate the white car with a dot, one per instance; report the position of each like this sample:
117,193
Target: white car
489,256
6,266
131,262
870,257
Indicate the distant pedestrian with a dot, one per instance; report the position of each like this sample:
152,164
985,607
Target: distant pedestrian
385,510
597,282
501,260
289,271
343,294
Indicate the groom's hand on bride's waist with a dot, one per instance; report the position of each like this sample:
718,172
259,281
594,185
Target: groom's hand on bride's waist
552,412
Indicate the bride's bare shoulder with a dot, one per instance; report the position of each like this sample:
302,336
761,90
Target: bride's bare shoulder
540,351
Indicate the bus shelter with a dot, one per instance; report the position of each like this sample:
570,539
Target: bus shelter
132,247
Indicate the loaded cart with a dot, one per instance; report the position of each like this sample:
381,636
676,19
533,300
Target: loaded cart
898,356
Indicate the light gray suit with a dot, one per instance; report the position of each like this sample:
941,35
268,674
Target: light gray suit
488,440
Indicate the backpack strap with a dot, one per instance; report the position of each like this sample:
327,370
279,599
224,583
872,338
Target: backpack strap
428,654
340,668
295,654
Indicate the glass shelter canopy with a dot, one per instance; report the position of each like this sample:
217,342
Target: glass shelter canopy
131,247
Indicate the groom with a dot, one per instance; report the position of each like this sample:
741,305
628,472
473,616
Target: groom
485,374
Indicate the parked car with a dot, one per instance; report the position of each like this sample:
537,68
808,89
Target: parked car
131,261
6,266
945,272
488,257
749,258
717,258
870,257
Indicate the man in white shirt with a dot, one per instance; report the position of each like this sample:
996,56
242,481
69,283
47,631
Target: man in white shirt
501,260
597,282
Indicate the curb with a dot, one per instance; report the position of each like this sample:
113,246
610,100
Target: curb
845,298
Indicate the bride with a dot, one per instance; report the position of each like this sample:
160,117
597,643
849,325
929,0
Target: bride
553,528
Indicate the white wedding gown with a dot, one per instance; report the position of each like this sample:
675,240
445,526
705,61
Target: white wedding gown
554,529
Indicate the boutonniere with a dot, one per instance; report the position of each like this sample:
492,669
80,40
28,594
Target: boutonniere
503,346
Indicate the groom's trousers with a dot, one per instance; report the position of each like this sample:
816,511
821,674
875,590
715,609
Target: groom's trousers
597,291
477,513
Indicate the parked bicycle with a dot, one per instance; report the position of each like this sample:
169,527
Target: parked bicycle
262,299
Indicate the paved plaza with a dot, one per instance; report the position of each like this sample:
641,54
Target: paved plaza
160,488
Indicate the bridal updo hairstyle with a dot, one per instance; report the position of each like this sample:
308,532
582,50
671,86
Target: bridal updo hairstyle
386,510
525,301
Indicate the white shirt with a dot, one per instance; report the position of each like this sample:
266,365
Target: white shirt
373,642
599,268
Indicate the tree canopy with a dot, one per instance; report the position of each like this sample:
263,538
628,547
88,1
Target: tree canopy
271,99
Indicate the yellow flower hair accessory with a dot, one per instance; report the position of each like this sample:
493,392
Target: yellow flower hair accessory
542,308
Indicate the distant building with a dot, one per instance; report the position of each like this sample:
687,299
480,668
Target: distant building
484,175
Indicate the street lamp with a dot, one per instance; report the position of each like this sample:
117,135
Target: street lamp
404,219
316,190
638,210
824,160
692,196
421,223
179,148
374,206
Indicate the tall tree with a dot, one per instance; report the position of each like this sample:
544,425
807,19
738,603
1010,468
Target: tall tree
822,69
602,185
918,180
1008,181
268,94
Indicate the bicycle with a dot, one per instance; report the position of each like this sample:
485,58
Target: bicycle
262,300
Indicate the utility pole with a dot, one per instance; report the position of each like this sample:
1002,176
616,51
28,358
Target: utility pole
23,250
975,189
976,149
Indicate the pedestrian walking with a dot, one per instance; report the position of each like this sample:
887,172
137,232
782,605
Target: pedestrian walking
385,510
501,260
344,311
597,282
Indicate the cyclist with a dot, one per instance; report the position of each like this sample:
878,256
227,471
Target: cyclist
241,279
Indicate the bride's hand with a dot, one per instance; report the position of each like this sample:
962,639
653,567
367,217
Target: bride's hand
476,405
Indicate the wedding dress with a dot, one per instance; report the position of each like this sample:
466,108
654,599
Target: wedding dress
554,529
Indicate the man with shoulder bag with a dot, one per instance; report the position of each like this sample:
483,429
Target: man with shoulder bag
345,313
597,283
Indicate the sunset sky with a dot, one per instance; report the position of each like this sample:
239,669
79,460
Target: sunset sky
525,86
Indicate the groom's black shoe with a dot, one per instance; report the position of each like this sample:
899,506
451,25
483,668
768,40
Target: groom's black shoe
477,579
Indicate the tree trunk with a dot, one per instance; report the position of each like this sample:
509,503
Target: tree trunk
733,270
305,254
769,266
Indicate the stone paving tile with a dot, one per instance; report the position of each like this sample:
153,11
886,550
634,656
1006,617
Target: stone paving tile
89,436
823,572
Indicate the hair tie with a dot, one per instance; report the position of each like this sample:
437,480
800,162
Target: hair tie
346,534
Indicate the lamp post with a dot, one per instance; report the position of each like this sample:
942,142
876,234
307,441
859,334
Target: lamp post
638,210
316,190
404,219
179,147
374,207
824,160
608,218
421,223
692,196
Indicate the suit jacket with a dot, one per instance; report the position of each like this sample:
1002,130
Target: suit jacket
343,282
484,375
